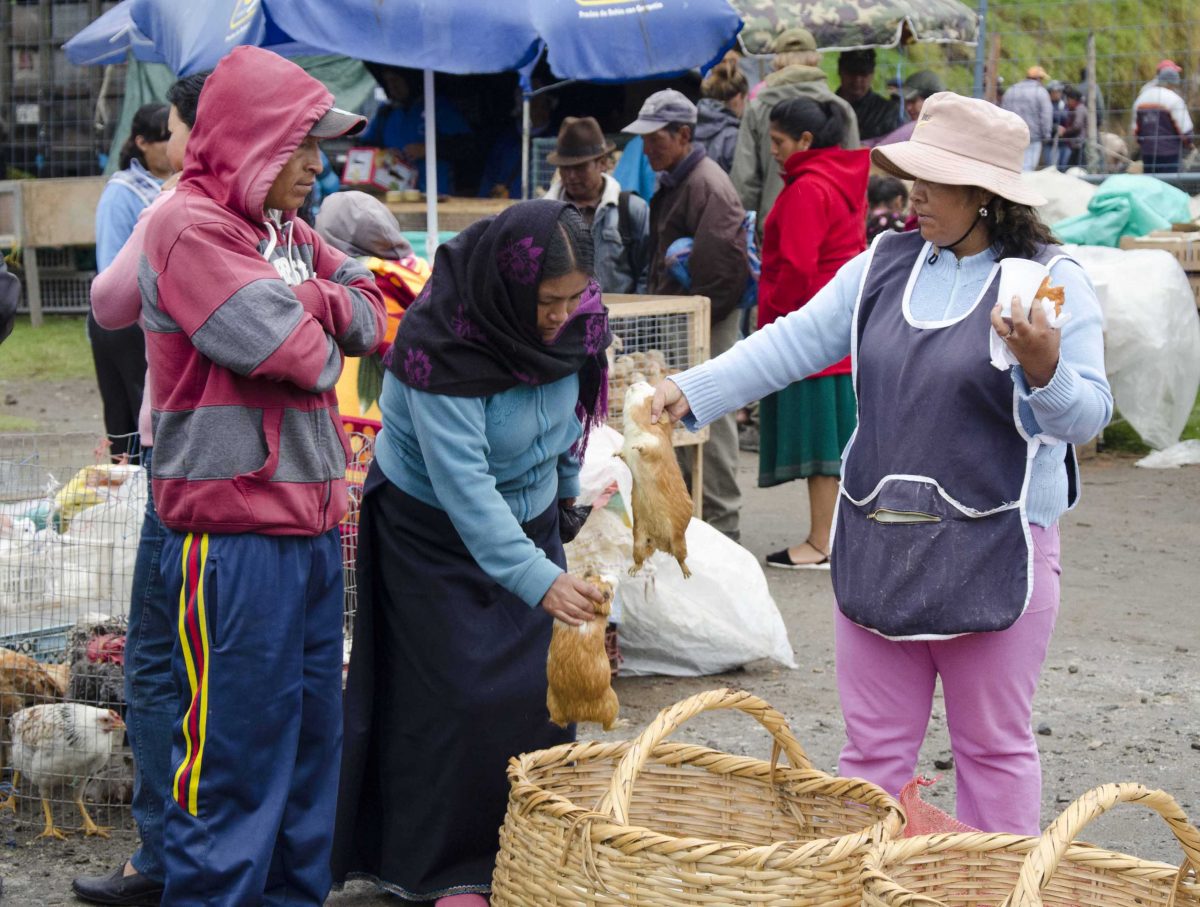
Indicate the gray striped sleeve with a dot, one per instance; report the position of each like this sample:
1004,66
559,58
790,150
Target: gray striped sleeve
249,326
350,270
332,369
155,319
362,334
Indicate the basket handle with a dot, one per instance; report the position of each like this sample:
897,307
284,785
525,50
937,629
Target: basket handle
620,790
1041,862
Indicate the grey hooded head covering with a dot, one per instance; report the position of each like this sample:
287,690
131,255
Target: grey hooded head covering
360,224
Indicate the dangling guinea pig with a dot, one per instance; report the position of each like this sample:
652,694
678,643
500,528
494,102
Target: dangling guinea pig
662,507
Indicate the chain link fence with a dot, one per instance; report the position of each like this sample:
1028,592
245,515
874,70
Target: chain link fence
56,119
1107,49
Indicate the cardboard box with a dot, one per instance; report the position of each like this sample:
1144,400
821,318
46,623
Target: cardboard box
378,168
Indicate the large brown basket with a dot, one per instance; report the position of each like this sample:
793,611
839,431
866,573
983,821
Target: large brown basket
996,870
658,824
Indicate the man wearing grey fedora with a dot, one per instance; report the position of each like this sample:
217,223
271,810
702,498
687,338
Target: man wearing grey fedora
619,220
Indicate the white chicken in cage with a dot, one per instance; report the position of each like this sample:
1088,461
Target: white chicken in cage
62,745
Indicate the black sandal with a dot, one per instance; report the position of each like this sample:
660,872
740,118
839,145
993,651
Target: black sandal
783,560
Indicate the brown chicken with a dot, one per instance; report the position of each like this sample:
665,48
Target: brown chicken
662,507
577,669
25,681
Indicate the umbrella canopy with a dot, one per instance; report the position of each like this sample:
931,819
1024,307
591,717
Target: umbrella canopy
594,40
852,24
106,40
190,41
600,40
620,40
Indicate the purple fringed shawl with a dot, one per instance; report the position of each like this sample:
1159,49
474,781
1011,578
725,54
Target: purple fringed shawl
472,331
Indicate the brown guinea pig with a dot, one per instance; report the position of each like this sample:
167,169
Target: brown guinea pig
662,507
579,679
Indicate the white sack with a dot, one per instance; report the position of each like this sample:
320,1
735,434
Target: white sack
1152,337
1185,453
1066,195
601,467
719,619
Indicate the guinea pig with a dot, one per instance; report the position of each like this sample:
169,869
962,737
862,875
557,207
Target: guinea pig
579,679
662,507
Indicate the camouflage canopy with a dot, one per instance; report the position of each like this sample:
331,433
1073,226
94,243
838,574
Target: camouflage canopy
849,24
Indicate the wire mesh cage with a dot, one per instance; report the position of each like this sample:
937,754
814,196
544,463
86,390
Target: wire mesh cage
70,524
653,338
59,118
361,434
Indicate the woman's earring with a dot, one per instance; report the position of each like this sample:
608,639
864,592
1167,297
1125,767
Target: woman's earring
983,211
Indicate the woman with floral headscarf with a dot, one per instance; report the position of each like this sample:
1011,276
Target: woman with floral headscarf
495,378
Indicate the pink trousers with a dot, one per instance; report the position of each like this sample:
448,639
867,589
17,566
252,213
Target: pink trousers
988,681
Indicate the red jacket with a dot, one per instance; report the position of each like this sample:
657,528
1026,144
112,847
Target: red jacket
247,320
817,224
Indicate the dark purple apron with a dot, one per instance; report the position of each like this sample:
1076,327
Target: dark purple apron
931,536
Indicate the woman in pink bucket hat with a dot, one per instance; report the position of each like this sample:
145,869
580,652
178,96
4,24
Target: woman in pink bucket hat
946,547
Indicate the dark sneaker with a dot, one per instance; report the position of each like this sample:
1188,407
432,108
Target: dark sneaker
117,888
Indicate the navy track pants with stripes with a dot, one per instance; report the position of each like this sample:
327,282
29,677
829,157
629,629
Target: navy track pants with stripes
258,736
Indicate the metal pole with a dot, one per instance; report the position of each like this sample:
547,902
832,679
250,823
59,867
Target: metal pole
431,184
526,139
1091,158
980,48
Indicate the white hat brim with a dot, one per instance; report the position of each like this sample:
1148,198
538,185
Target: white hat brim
916,160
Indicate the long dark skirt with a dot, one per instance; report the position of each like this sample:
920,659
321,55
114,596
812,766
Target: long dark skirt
447,682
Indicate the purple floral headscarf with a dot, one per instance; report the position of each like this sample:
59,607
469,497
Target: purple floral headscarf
472,332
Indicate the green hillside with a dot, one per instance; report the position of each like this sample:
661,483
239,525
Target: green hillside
1131,37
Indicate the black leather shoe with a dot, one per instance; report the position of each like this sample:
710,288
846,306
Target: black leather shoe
118,888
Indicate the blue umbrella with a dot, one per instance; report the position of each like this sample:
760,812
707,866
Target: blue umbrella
191,38
452,36
598,40
623,40
107,40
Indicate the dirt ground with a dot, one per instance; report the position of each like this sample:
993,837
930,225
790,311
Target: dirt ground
1119,698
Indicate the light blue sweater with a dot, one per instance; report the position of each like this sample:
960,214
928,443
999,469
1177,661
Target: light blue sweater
1073,407
125,195
491,463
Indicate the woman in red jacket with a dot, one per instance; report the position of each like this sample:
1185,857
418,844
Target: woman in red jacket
817,224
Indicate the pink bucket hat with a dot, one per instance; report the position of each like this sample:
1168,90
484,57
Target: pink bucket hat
962,141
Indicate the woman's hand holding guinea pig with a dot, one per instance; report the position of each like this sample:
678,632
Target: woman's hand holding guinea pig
668,396
570,599
1032,340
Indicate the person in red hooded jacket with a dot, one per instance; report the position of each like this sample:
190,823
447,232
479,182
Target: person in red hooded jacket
817,224
248,315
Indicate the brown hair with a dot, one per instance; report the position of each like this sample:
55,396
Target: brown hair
1016,231
725,81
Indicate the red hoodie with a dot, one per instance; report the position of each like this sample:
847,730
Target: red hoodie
817,224
247,322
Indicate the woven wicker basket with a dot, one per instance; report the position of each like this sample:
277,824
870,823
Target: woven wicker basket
658,824
995,870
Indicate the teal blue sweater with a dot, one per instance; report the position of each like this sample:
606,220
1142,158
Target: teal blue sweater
491,463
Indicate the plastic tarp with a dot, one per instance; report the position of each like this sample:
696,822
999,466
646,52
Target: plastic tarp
1126,205
1152,337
